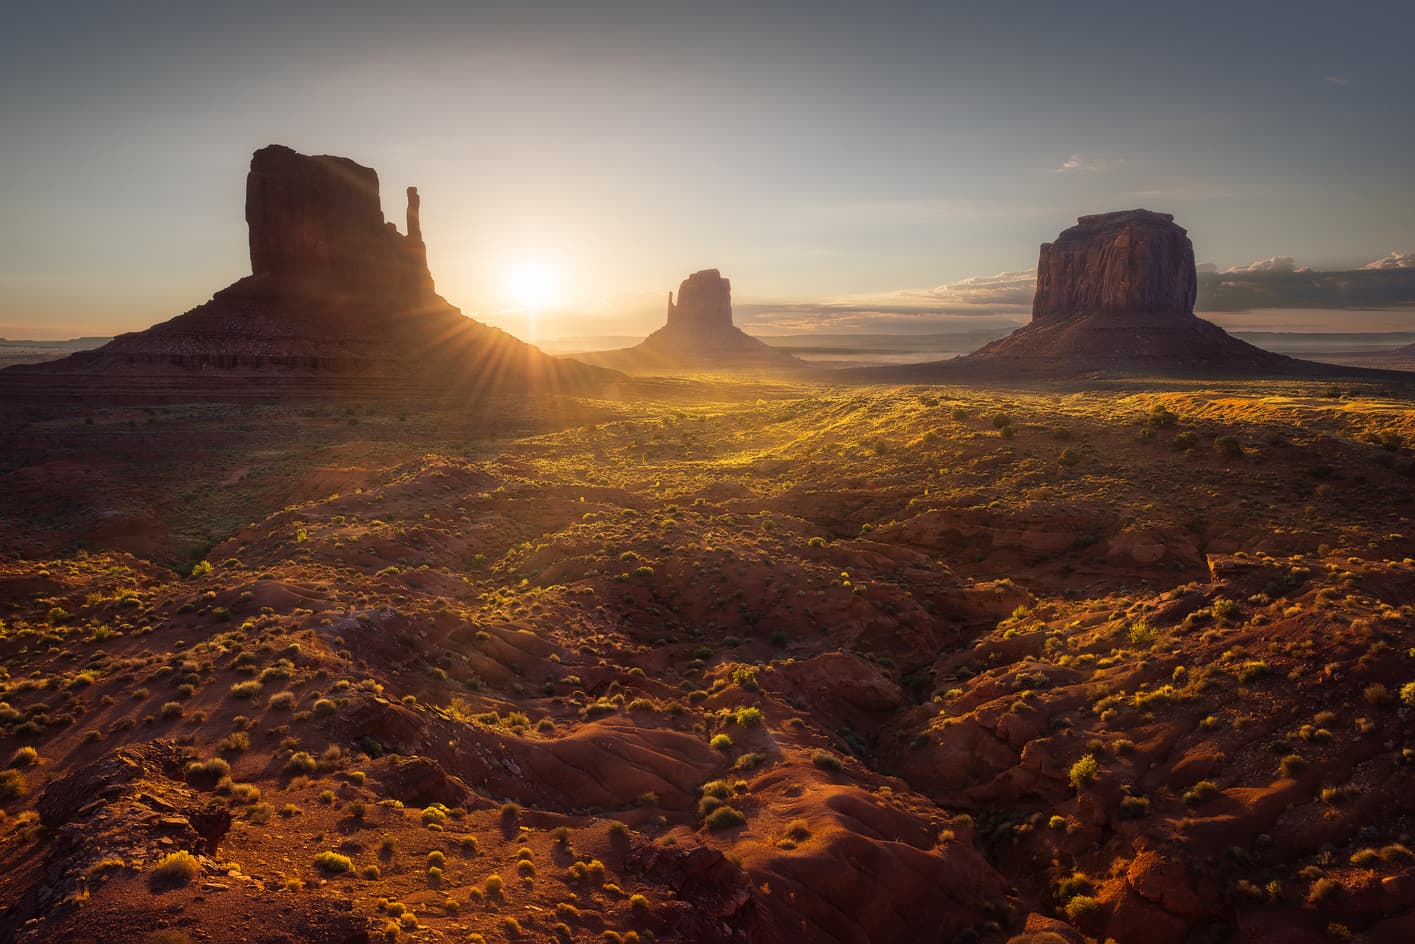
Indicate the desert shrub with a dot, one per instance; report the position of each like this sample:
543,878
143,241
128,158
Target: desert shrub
234,743
1141,633
798,829
201,568
1082,906
1084,771
1407,694
1377,695
1227,447
1253,670
25,757
12,784
1201,792
1133,807
1292,765
747,717
207,772
721,742
301,762
1162,418
1068,458
748,761
176,868
494,885
827,760
250,688
724,817
282,701
333,863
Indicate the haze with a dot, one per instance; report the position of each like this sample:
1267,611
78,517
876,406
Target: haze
849,165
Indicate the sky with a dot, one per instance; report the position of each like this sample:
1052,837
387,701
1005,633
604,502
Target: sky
850,166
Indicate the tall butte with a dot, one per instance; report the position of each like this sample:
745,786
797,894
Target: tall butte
698,335
1115,296
337,301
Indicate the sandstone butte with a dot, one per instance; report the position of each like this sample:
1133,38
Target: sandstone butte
338,301
1115,296
699,335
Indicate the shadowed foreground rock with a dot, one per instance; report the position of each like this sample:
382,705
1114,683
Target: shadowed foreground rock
338,301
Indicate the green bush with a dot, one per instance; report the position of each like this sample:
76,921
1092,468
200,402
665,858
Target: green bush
301,762
724,817
176,868
1084,771
333,863
12,784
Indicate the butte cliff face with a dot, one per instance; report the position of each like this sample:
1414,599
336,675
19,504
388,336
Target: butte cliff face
337,298
317,223
1118,264
704,304
699,335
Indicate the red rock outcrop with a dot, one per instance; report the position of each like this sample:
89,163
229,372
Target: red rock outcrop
1115,295
337,298
704,302
699,334
1124,263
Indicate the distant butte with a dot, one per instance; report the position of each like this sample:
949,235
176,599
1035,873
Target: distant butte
698,335
338,301
1115,296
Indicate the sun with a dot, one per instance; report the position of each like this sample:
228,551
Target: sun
532,284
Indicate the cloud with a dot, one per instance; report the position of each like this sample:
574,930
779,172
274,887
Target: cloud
1083,162
1247,289
1396,260
1274,264
1206,267
1341,80
1004,299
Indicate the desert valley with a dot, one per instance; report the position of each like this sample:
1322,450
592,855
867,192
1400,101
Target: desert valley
710,581
331,615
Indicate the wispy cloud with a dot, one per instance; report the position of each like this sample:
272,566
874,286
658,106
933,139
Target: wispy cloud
1273,264
1341,80
988,300
1082,163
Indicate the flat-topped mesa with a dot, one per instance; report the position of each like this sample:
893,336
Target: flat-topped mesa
704,301
316,221
1131,262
